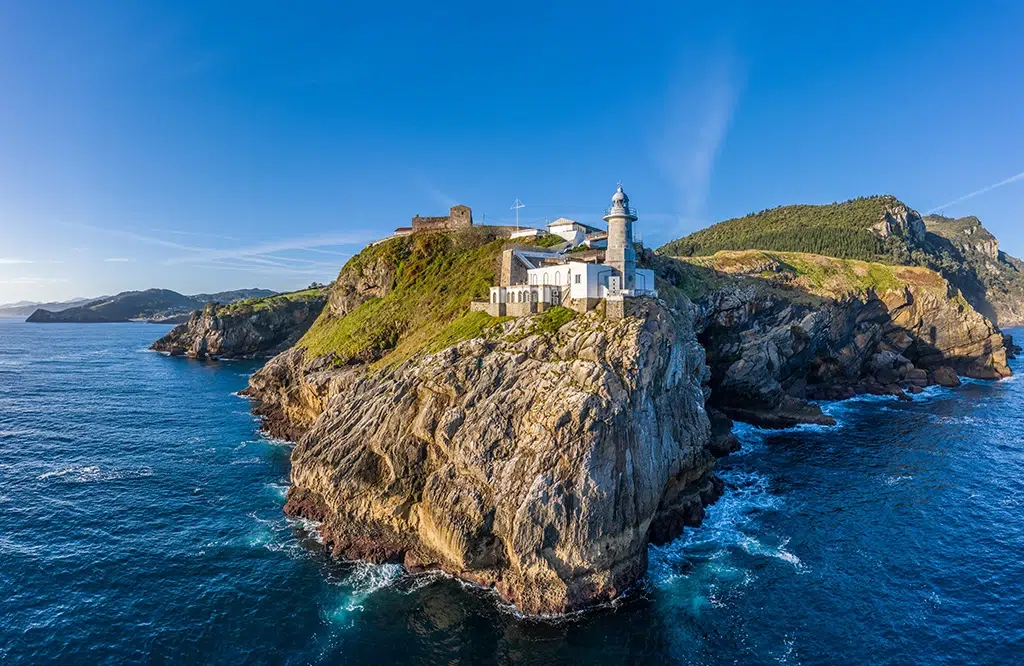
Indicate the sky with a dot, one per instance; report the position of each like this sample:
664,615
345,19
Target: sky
204,146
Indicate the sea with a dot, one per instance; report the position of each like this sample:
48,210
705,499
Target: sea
141,522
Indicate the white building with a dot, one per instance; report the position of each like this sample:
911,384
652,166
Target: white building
571,230
542,279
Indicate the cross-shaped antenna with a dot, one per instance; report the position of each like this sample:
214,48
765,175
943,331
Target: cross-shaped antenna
620,184
516,206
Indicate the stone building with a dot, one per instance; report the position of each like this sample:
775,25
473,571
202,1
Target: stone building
459,217
532,280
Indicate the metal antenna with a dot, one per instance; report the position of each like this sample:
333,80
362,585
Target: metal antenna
516,206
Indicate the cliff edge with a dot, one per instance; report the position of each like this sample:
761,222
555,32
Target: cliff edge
540,464
245,329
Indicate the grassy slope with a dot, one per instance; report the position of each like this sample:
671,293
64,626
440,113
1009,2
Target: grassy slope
819,275
436,277
251,305
839,230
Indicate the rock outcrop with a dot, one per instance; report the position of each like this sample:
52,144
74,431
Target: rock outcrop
538,464
775,340
260,327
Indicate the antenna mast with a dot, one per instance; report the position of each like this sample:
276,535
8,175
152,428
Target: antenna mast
516,206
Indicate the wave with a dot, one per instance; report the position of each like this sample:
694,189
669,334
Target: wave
246,461
93,473
363,581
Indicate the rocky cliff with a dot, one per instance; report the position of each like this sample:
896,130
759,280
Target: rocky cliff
253,327
539,456
1001,276
783,328
538,463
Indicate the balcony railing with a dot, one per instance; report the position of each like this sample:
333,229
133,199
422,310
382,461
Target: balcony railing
621,210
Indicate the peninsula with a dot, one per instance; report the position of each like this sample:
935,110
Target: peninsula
528,409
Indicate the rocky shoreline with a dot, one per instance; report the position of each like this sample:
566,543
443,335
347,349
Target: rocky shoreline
540,457
539,465
249,329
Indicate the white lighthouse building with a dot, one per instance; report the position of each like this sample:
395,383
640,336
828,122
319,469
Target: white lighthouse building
533,280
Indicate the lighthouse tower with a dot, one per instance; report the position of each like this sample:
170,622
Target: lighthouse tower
620,254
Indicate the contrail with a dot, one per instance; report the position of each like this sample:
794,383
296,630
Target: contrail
1011,179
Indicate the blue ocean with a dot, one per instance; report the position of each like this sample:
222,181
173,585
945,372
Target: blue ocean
141,522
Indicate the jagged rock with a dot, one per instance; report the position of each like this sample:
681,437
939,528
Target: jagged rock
540,466
243,331
723,441
945,376
772,347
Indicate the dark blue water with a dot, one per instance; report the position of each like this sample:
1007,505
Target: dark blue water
140,521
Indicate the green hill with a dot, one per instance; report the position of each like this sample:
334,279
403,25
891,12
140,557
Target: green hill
406,295
841,230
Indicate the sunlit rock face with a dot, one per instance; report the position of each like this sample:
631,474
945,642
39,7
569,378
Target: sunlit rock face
540,465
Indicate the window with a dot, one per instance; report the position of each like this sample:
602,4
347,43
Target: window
578,279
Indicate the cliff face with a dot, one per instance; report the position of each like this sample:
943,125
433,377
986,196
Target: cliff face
784,328
540,464
256,327
1000,276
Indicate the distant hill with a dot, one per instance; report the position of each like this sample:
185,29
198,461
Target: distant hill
855,229
153,305
25,308
879,229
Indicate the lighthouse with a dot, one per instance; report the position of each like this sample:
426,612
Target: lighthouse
620,254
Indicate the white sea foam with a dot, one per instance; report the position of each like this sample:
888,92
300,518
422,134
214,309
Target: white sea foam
894,480
94,473
364,580
247,461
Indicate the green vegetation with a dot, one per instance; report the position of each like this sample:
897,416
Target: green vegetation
840,230
816,274
467,327
250,305
435,276
553,319
548,240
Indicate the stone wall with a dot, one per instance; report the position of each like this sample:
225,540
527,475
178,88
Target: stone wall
615,308
581,305
521,309
459,217
513,270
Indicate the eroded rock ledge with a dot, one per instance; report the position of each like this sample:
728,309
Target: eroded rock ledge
252,328
540,465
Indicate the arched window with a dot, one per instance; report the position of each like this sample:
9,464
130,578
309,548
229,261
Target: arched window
545,278
558,278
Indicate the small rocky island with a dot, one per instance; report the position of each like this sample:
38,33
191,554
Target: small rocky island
529,409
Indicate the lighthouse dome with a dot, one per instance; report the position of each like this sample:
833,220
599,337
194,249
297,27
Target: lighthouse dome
620,198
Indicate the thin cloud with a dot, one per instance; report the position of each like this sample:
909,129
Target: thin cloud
6,261
32,280
259,251
976,193
256,256
697,122
118,260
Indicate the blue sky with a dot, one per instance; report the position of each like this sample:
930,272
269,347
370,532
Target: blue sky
202,146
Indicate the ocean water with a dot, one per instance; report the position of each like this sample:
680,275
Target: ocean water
140,522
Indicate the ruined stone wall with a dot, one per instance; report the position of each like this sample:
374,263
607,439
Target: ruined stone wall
430,223
459,217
